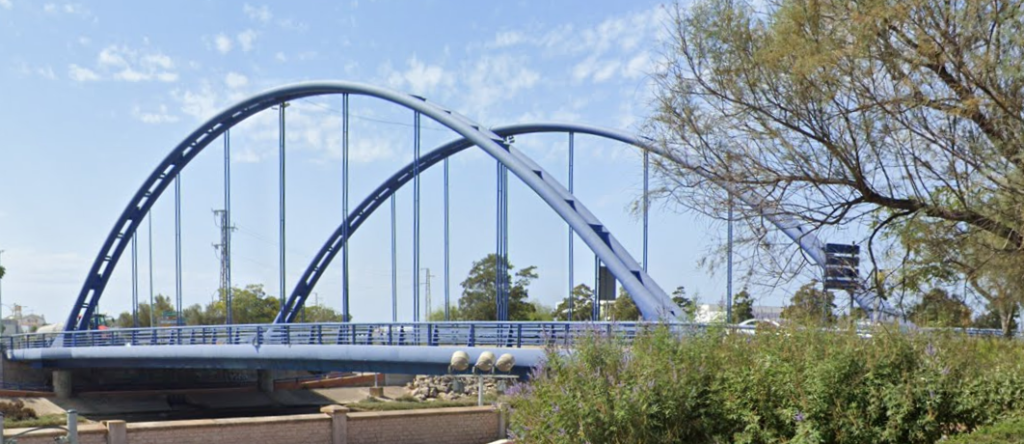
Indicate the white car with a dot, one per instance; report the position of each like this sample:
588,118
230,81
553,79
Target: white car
750,326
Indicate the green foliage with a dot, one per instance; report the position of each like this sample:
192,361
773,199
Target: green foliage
3,271
582,305
146,313
623,309
251,305
438,314
742,306
810,306
42,421
411,403
938,308
795,386
993,318
541,312
16,411
1010,431
689,305
479,292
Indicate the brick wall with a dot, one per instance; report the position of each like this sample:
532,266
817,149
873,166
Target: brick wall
462,425
468,425
304,429
87,434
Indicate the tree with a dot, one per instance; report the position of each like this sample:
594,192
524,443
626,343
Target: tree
938,308
993,318
146,313
852,113
688,305
623,309
541,312
3,271
582,307
438,314
479,293
742,306
811,306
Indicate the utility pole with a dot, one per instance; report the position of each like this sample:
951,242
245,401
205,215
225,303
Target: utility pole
224,248
427,291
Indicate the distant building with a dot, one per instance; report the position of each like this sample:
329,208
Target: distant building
768,313
713,313
10,327
709,314
31,322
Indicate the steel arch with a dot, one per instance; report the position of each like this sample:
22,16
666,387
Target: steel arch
649,298
803,237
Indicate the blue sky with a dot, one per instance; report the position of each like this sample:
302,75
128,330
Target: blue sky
96,94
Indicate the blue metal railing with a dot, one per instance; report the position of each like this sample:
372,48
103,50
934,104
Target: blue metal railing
430,334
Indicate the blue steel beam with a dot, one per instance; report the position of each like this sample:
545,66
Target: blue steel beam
803,237
589,228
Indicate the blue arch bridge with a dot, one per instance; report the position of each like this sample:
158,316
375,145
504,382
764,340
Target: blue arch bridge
394,347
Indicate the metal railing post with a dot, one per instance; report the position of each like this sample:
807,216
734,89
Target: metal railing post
72,426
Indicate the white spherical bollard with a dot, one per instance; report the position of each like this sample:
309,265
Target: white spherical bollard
505,363
460,361
485,362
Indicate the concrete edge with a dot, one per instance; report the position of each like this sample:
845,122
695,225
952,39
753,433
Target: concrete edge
422,412
159,425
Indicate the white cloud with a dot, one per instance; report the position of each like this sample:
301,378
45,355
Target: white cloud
158,117
201,105
235,80
280,57
6,4
67,8
492,79
46,73
261,14
420,78
638,66
84,41
246,39
80,74
222,43
507,38
131,65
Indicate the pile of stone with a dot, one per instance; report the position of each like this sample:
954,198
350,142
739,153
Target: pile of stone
430,388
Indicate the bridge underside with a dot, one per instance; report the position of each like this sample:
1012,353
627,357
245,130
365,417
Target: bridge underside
355,358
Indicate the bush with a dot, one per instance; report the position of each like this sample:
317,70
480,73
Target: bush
1006,432
16,411
793,386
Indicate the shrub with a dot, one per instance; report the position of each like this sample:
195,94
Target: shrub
16,411
793,386
1005,432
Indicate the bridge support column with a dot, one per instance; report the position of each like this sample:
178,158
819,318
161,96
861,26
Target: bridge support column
62,384
265,380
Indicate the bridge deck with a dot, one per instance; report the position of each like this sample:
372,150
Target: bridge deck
423,348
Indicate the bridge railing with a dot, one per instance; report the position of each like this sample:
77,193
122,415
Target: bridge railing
460,334
469,334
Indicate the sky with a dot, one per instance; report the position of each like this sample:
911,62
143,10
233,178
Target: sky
97,94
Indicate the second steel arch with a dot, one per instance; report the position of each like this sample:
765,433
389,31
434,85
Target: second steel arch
803,237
